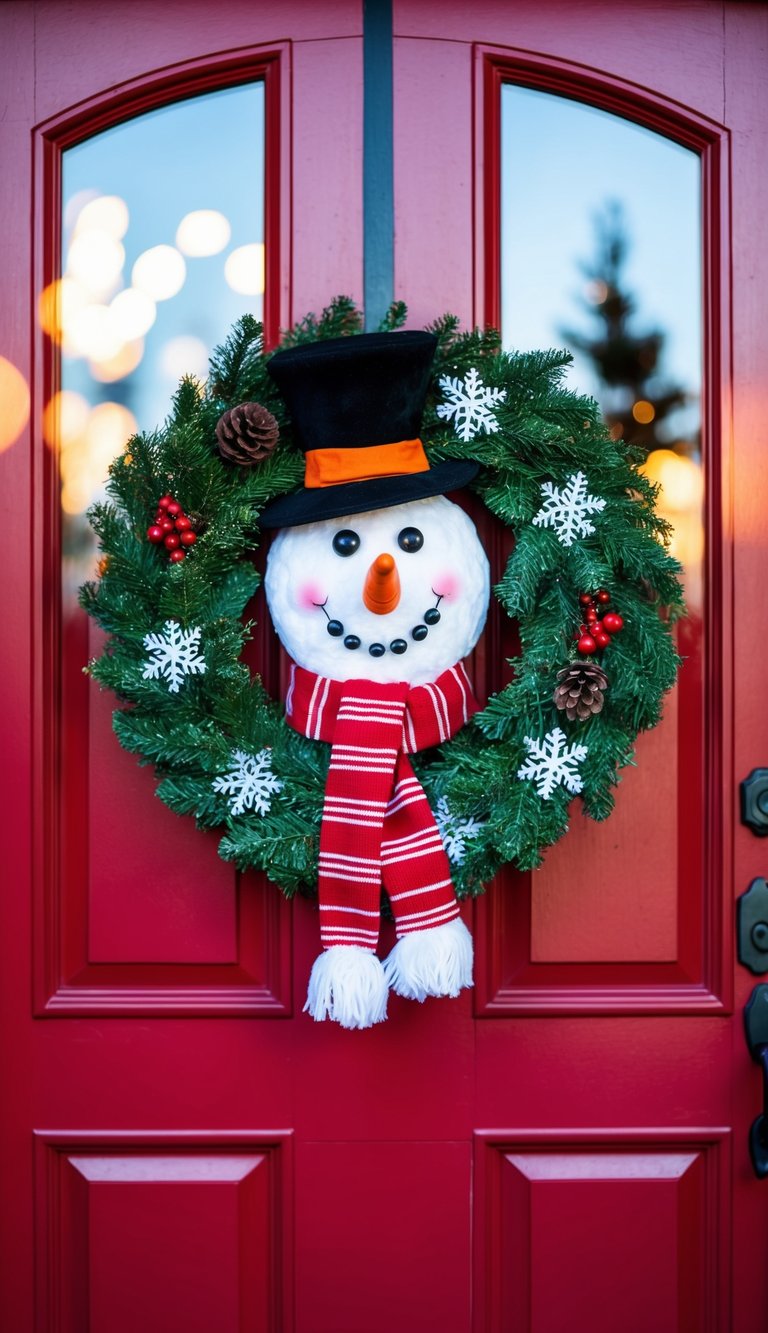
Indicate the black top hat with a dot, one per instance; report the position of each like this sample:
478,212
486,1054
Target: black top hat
356,405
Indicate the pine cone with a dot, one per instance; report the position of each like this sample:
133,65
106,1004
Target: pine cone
246,434
580,690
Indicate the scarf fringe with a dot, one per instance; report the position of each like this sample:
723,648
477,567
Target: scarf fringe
431,962
347,985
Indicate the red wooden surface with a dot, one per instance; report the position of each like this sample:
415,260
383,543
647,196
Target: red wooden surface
181,1147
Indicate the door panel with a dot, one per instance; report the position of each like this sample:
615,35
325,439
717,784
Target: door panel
580,1224
163,1231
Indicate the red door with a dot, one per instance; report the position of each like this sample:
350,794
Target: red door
566,1147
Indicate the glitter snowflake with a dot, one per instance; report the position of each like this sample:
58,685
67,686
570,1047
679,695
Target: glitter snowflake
469,403
551,762
565,511
455,831
250,783
173,655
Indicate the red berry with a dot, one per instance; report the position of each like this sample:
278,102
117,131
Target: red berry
176,556
188,538
171,541
155,534
603,596
183,523
164,501
602,640
586,644
591,614
173,509
612,623
586,599
167,525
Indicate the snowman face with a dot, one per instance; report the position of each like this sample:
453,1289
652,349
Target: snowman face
397,594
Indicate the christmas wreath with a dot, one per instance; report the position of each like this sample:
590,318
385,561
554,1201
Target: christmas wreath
589,582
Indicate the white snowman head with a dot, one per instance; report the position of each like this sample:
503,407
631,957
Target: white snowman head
374,574
394,594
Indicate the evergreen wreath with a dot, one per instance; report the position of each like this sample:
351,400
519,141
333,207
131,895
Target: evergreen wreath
501,788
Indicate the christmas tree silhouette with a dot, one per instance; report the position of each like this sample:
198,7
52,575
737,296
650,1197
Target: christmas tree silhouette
637,399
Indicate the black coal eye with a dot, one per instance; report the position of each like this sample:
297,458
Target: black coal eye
346,542
410,540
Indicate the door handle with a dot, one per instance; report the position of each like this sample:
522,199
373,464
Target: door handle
756,1029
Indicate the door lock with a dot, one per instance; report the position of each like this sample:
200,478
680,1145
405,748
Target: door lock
754,802
756,1029
753,927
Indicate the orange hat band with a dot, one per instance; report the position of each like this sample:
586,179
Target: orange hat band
329,467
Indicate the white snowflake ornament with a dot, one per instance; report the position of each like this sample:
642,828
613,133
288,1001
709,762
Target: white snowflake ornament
469,403
565,511
455,831
250,783
551,762
173,655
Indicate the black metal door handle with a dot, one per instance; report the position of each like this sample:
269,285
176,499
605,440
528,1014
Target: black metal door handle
756,1028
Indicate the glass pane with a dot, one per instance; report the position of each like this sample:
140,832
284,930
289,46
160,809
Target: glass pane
601,253
163,248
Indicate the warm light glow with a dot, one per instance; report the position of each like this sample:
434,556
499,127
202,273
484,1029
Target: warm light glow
160,272
107,213
203,232
14,403
86,459
57,304
184,356
133,313
96,260
244,269
643,411
91,332
687,542
596,291
117,367
65,418
681,481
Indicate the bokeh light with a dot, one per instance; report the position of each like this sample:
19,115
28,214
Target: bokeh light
133,313
57,304
244,269
203,232
14,397
96,260
109,369
65,418
160,272
106,213
85,458
184,355
91,332
643,411
681,481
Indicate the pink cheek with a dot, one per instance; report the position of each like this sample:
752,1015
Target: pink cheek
447,585
309,596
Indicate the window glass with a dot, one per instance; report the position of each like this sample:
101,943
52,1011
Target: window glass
601,253
162,249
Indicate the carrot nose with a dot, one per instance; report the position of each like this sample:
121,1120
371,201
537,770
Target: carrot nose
381,592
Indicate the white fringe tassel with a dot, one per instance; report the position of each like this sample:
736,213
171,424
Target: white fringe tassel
431,962
347,985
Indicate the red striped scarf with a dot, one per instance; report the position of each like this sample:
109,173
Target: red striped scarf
377,824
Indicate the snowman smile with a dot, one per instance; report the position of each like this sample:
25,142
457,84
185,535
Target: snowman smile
351,596
398,646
